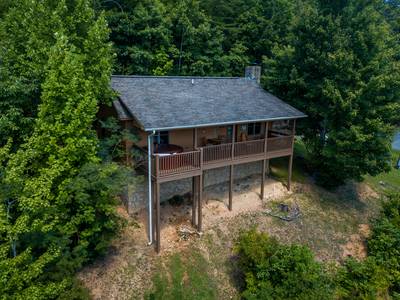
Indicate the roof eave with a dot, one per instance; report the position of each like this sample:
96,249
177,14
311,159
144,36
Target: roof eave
222,123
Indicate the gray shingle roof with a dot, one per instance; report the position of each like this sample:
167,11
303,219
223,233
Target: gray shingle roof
163,103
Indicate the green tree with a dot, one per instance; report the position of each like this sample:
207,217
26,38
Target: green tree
141,33
57,201
257,25
198,43
339,67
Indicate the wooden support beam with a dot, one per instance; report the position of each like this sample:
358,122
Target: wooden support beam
200,202
154,213
194,199
264,161
230,205
290,172
266,137
158,218
291,157
230,187
262,179
233,141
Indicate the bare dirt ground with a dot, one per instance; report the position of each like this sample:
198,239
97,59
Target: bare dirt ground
333,225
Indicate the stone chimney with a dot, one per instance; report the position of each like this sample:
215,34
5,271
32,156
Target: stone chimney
253,73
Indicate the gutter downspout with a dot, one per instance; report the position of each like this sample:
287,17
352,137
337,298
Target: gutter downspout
150,206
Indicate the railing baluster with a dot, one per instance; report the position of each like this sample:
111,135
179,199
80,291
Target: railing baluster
188,161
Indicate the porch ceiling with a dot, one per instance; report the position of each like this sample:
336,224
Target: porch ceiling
164,103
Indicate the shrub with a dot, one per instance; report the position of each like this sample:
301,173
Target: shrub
361,280
384,243
379,274
275,271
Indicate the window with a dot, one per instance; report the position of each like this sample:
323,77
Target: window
253,129
161,138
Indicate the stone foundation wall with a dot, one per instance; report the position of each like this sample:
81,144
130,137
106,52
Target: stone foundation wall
135,198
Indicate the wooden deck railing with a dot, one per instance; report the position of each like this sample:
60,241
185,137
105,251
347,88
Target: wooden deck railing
217,153
249,148
220,155
178,163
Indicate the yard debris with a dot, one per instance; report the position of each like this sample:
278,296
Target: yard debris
286,213
185,232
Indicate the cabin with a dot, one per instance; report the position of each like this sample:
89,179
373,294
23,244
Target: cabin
191,125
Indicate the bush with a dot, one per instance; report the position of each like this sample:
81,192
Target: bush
384,243
275,271
361,280
379,274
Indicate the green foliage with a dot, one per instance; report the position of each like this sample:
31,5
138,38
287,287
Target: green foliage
27,32
387,182
170,38
339,66
111,146
184,277
275,271
75,292
361,280
384,243
141,32
57,201
379,274
198,42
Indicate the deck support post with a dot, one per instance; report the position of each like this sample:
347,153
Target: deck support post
262,179
290,172
291,157
158,218
230,187
199,204
157,198
194,183
154,212
230,205
150,208
194,200
264,160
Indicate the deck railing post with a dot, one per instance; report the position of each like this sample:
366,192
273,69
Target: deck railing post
194,200
290,167
264,160
200,203
231,168
201,158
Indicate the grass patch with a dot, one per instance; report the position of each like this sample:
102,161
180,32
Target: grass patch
387,182
184,276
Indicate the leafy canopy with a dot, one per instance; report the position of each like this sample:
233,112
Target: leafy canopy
57,200
339,66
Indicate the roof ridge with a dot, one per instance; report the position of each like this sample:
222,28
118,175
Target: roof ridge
175,77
